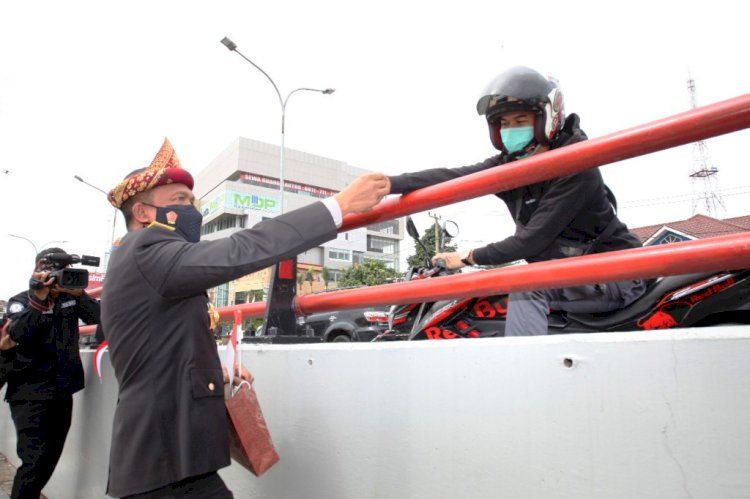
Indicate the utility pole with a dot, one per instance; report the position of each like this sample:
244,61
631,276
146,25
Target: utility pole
705,183
437,230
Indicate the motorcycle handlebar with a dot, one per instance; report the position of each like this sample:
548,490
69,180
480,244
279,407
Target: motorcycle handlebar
439,267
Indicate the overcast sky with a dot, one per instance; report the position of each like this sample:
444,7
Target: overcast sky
91,88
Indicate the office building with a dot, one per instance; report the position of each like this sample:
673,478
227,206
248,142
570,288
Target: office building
241,187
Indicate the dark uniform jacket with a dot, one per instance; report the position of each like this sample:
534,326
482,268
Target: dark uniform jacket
46,362
554,218
170,422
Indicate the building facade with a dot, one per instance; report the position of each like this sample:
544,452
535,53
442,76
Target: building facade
241,187
695,227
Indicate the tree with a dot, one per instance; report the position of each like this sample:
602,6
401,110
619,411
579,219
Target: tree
325,274
309,277
300,280
428,239
371,272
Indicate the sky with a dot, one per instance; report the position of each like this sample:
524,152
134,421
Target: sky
91,88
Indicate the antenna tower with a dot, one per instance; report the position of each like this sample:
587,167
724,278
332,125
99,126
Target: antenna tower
705,192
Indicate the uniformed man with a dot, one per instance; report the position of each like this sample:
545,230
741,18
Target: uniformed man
42,368
170,431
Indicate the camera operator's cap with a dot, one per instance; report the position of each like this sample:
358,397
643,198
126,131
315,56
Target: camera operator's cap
46,252
164,169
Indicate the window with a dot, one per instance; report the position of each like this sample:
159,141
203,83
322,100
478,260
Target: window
388,227
222,295
226,223
670,238
339,254
381,245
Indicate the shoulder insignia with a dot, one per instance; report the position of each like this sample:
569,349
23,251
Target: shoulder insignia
15,307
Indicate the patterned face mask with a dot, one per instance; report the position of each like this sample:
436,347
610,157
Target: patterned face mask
185,218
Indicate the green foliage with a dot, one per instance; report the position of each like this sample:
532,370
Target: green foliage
428,238
309,276
371,272
325,274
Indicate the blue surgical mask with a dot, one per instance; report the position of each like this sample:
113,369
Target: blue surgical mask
516,139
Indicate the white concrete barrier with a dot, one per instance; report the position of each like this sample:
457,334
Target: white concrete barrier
647,415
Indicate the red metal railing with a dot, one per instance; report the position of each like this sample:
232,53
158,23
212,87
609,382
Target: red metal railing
704,255
700,123
717,253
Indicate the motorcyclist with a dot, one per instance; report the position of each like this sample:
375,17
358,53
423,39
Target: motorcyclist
557,218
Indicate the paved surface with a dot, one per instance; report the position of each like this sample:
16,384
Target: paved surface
7,472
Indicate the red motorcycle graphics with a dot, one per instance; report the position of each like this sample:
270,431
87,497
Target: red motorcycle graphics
403,314
670,302
692,300
674,307
486,309
666,317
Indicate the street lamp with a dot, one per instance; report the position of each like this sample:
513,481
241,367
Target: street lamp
36,251
231,46
114,215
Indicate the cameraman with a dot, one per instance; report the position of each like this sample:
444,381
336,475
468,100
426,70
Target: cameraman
39,343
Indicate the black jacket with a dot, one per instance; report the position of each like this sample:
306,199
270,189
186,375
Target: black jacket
46,362
171,421
554,218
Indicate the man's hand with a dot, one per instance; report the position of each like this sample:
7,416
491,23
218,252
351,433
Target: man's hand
46,281
242,374
6,342
452,260
365,192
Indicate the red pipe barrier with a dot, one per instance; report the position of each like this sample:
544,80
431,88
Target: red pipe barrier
251,310
703,255
700,123
712,254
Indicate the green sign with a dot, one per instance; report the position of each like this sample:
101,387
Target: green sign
241,201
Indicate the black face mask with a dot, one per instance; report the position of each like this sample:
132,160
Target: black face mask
185,218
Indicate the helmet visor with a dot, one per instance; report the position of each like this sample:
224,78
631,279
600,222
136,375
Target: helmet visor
494,106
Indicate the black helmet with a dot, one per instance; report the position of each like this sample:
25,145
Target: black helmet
523,89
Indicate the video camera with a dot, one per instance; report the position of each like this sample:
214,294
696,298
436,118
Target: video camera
56,263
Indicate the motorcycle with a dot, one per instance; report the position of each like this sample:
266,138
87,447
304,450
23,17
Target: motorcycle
680,301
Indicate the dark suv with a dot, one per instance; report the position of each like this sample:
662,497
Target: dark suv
359,324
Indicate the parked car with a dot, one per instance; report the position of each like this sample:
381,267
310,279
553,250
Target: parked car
360,324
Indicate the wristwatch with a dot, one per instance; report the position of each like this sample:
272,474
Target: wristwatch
466,257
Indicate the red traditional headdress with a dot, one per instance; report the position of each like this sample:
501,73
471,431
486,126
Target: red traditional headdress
164,169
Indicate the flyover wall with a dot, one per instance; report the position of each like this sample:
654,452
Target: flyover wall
620,415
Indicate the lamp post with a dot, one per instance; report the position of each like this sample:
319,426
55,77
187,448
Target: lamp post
232,47
36,250
114,215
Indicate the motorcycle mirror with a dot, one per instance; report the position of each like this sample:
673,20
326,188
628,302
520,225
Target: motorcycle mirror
450,228
411,229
